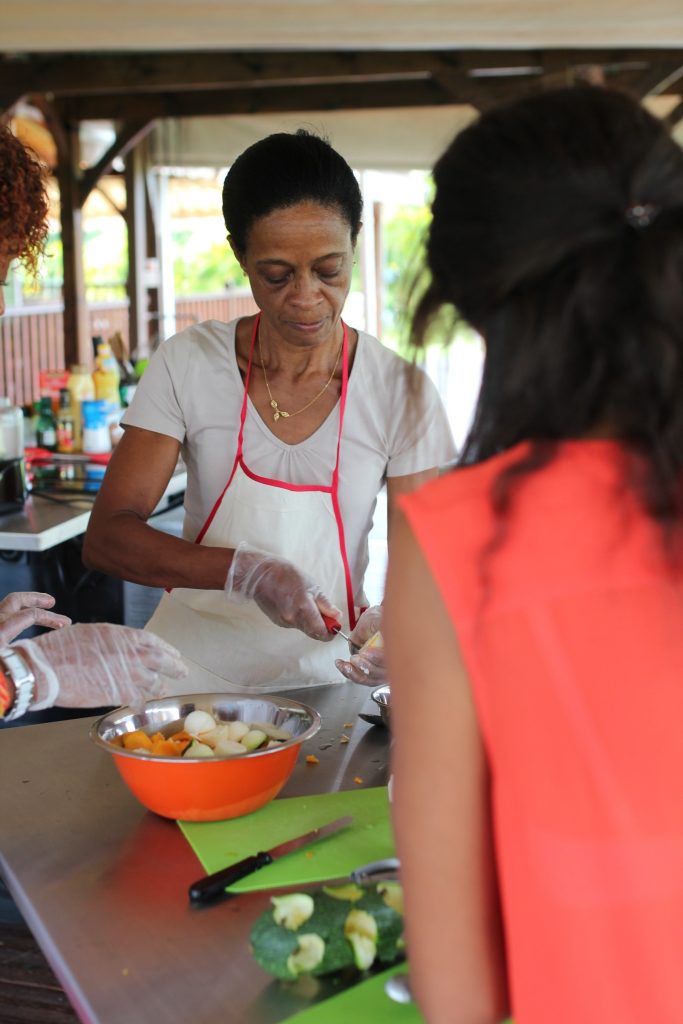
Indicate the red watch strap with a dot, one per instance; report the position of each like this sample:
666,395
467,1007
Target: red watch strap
6,693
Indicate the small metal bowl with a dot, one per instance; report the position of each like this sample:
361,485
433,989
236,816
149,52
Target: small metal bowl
382,698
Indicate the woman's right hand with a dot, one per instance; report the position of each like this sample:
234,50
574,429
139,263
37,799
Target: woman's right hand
23,609
287,596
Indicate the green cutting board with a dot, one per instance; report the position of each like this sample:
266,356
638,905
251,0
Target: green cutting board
220,843
367,1002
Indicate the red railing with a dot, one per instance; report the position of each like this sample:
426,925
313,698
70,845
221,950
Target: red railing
32,338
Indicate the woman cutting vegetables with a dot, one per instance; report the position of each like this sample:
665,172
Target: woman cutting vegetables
290,422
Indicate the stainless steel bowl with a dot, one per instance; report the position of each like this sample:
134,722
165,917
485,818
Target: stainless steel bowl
163,715
382,698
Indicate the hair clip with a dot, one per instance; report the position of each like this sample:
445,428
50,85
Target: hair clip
641,215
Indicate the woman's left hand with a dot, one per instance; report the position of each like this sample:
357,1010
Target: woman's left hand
366,667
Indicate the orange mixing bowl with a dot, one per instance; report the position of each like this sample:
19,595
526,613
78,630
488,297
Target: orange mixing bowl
207,789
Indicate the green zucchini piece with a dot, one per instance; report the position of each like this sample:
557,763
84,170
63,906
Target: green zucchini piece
352,933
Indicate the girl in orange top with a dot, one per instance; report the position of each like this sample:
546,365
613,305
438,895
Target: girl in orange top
537,666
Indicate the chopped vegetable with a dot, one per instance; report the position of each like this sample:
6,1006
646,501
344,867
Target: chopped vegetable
343,739
350,892
308,955
197,749
202,733
358,780
312,759
199,721
360,928
254,739
292,910
136,740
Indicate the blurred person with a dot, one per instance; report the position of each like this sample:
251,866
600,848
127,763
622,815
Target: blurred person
290,423
77,666
534,606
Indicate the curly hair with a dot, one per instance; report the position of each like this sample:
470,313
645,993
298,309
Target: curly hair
23,202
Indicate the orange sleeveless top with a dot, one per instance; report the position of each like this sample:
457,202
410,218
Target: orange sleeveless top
572,634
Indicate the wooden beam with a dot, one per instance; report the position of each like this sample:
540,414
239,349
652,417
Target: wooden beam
278,100
158,72
77,74
128,137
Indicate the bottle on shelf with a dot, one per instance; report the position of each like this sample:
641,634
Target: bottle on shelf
66,429
82,389
107,378
12,466
46,427
96,433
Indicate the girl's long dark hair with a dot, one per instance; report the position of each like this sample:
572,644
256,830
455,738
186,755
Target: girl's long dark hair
558,234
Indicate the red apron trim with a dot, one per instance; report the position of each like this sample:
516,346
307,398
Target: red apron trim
281,483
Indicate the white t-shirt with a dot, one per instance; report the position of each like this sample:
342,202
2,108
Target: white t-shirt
192,390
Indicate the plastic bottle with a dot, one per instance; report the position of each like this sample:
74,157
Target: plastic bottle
12,466
107,377
46,428
96,435
11,430
65,424
81,388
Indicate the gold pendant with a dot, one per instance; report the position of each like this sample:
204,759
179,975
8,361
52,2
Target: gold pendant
273,403
276,416
285,415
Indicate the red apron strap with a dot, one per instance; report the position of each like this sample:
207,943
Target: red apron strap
240,436
351,609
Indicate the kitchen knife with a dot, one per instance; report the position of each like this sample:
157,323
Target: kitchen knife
206,889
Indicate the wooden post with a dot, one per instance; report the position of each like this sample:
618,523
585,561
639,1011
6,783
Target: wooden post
379,266
77,343
136,222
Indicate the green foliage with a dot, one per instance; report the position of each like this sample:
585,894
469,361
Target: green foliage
206,270
406,278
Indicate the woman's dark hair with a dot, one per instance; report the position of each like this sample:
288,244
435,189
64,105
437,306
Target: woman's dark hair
558,234
285,169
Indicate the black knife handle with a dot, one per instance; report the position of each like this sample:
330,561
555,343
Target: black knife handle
209,888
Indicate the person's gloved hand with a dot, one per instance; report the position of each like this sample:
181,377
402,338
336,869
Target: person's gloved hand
97,663
367,666
287,596
23,609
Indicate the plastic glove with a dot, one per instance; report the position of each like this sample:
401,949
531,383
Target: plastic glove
367,666
287,596
23,609
97,663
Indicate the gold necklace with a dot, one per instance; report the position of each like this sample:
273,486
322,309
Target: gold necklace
278,412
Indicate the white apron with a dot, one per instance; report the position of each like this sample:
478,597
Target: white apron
233,646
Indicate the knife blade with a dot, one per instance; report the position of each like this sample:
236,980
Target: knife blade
212,886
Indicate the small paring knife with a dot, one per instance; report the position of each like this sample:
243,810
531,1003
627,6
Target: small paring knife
334,626
211,887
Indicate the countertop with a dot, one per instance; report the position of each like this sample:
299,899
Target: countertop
103,883
47,521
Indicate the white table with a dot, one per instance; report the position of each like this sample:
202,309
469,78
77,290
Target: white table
45,522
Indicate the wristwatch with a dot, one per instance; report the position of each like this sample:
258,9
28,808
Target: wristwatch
24,683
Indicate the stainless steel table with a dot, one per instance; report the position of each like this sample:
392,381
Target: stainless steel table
103,883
